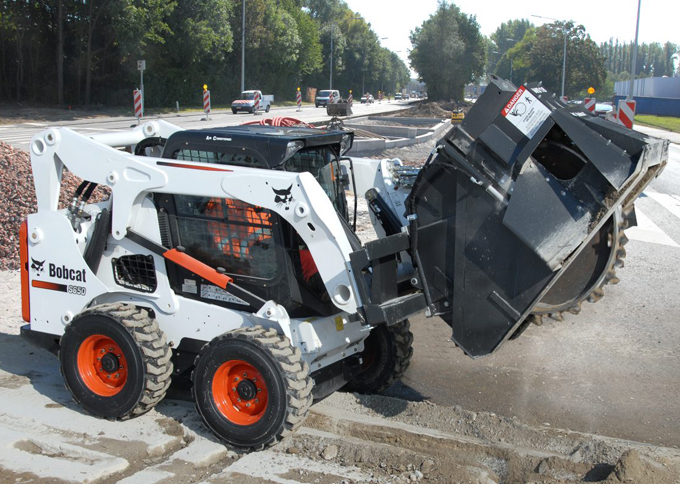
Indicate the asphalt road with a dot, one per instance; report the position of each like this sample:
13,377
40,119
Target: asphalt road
614,369
19,135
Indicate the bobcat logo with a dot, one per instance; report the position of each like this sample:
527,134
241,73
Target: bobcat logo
37,266
283,197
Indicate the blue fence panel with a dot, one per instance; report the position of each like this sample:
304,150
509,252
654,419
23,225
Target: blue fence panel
659,106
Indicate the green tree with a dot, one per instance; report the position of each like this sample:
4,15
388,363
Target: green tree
505,37
448,52
538,57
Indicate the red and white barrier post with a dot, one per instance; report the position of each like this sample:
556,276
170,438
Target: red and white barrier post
139,106
256,104
299,99
206,102
589,104
331,98
626,113
564,99
350,99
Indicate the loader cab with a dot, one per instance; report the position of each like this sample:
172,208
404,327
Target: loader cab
257,248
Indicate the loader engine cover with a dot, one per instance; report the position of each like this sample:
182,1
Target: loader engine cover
509,200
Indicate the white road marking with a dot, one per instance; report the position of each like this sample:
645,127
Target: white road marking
101,129
669,202
15,137
40,125
648,231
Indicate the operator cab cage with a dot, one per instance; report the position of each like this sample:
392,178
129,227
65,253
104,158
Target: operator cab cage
258,249
257,146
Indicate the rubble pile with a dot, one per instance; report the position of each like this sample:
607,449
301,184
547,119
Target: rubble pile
18,200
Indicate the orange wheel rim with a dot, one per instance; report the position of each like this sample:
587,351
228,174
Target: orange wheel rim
102,365
239,392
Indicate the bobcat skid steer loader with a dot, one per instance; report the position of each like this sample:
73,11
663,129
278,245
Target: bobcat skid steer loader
225,259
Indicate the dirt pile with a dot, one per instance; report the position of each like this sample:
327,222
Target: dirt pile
18,200
424,110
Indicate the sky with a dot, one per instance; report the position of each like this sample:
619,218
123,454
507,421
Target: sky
659,19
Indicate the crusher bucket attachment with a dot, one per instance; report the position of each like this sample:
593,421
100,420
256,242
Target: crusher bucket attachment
339,109
516,212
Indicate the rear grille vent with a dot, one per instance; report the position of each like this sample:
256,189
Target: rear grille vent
136,272
164,226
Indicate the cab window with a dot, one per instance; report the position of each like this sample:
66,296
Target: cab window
323,164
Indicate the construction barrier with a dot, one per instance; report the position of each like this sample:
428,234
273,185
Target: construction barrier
380,95
256,104
206,102
564,99
350,99
331,98
589,104
299,99
139,106
626,113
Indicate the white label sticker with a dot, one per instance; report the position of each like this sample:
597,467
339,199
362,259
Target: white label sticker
218,294
190,286
525,112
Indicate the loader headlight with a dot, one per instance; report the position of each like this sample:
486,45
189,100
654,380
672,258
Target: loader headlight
292,148
346,143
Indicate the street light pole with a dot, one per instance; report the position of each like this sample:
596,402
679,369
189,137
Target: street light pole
564,62
635,49
331,81
564,57
243,49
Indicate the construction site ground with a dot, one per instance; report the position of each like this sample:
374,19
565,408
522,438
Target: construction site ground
591,399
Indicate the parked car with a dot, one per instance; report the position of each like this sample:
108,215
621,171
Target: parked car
323,97
367,99
397,96
601,109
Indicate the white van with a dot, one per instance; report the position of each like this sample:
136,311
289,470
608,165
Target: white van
322,97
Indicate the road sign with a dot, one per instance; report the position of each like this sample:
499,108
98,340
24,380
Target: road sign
626,113
256,103
206,101
589,104
299,99
137,99
141,65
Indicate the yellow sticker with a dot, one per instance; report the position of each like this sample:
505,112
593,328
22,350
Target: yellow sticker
339,324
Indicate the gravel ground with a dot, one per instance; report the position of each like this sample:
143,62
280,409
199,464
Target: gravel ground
414,155
18,200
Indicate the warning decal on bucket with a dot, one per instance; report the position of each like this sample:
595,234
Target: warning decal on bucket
526,112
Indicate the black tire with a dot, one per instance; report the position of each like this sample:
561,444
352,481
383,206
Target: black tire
266,110
234,111
317,105
264,356
144,369
386,356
